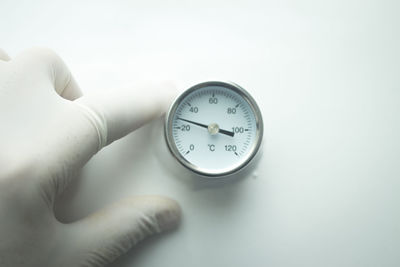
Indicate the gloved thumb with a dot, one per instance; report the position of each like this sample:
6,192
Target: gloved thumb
102,237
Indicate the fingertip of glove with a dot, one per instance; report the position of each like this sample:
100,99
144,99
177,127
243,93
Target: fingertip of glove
169,217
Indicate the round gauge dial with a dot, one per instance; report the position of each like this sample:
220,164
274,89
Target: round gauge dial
214,128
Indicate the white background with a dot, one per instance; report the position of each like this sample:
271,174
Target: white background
326,77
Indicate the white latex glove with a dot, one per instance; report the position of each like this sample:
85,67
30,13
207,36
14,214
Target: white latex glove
45,137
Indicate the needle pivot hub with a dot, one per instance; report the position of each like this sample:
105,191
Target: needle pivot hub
213,128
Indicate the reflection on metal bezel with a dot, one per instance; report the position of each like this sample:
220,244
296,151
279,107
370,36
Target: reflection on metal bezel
223,172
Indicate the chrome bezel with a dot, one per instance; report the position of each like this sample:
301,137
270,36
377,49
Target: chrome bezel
205,172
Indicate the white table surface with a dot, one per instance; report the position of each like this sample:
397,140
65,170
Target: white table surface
326,77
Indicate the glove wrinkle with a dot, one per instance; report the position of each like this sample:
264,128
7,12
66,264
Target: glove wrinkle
97,119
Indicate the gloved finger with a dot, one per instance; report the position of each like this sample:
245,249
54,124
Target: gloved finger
3,55
104,236
48,65
117,114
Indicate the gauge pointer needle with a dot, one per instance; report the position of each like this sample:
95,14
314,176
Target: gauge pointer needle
206,126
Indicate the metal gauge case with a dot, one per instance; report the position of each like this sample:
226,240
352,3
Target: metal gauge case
214,128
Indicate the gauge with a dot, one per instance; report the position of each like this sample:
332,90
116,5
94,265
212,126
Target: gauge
214,128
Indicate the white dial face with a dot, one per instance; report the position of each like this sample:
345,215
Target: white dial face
214,129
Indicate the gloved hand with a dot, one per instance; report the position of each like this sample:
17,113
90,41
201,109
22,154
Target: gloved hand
47,133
